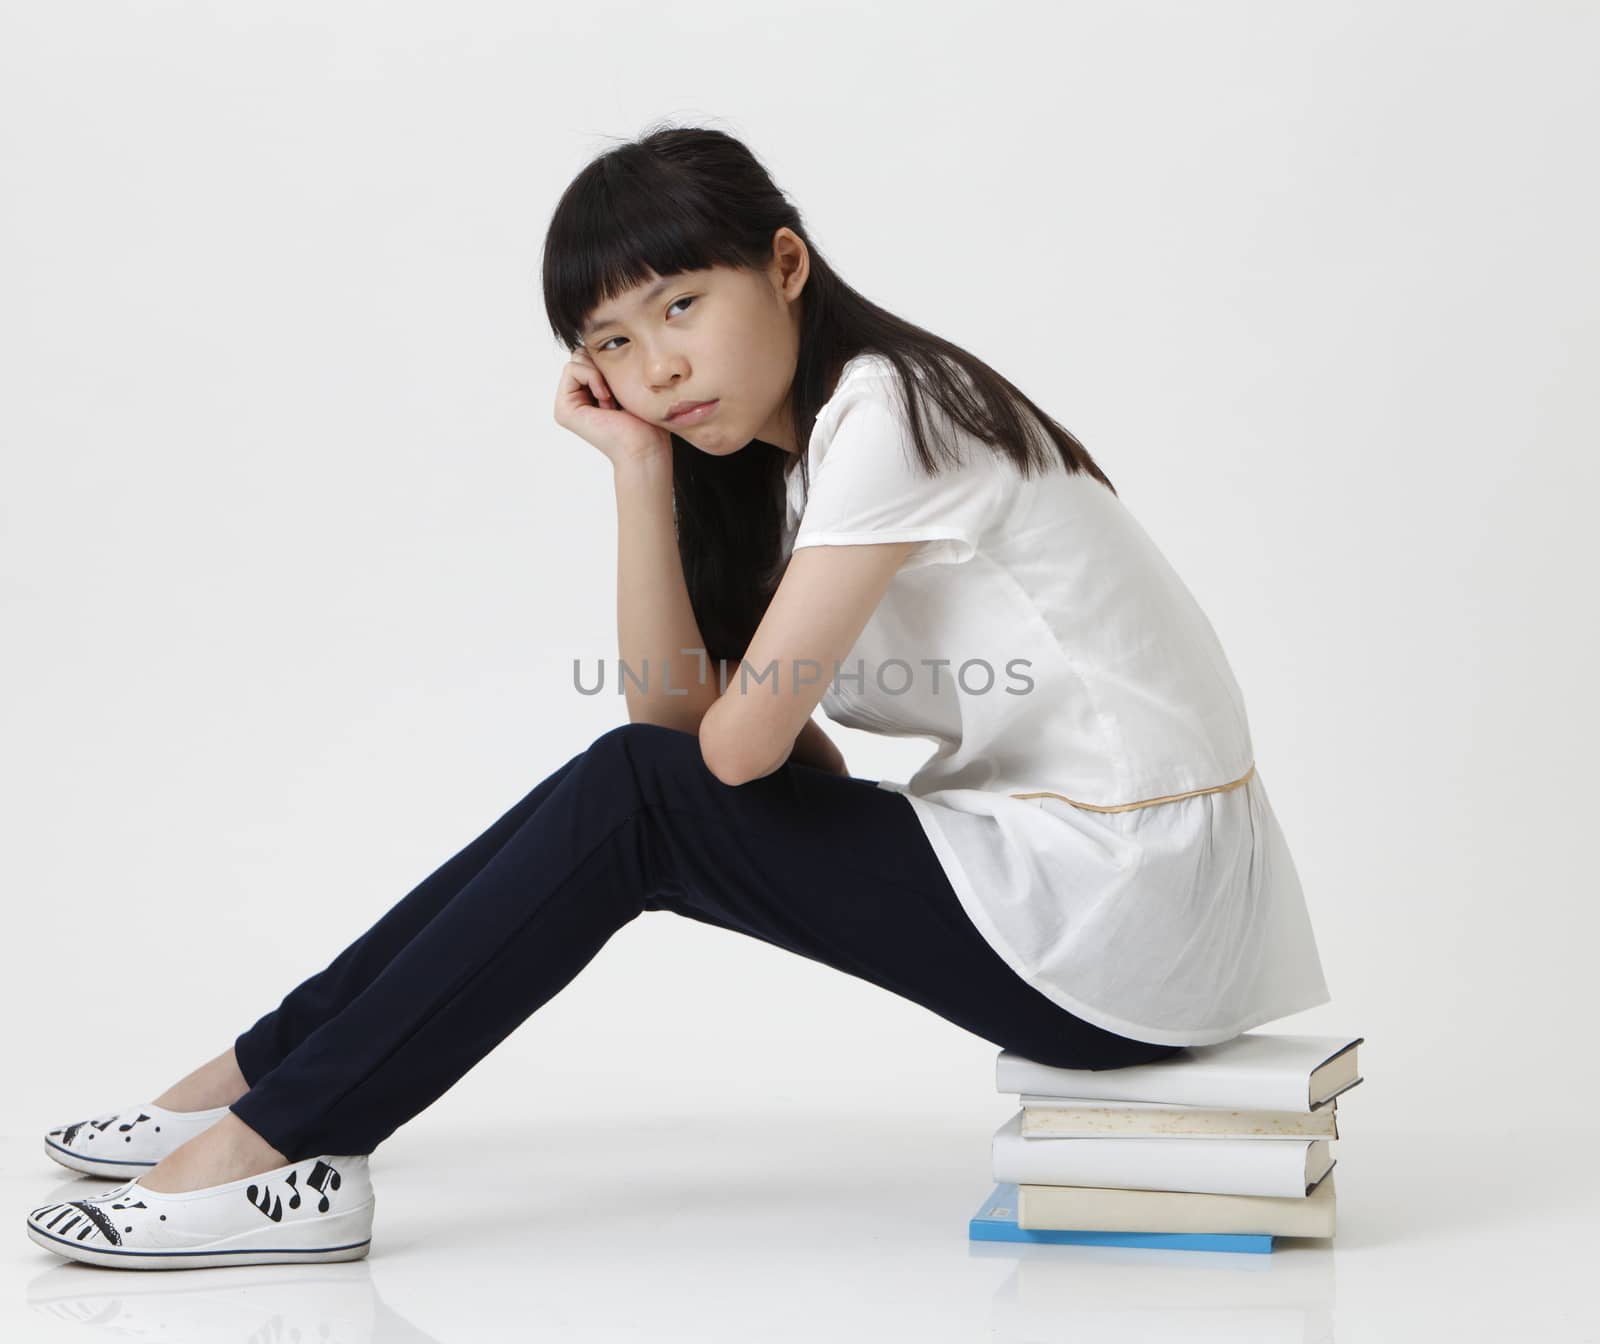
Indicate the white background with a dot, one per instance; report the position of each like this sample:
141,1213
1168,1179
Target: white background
296,561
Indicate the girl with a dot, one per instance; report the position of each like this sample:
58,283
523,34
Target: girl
818,502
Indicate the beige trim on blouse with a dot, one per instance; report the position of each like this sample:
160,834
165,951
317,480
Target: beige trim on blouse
1147,802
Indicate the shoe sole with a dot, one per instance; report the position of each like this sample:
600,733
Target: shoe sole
230,1250
90,1166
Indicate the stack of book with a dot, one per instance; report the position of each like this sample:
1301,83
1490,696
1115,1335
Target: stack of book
1219,1147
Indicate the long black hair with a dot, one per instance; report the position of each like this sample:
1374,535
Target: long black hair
690,198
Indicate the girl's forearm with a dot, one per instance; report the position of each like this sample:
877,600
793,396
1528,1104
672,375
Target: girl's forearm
655,620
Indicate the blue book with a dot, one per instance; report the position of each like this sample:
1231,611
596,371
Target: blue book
996,1220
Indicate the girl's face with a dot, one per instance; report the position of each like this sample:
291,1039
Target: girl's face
721,335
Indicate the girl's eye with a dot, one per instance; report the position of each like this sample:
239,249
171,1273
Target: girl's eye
687,298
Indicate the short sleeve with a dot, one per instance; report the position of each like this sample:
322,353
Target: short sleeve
868,485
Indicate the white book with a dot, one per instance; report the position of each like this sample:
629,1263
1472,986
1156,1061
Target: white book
1272,1167
1255,1071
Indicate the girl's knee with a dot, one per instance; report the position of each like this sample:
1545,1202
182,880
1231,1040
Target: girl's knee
649,751
642,736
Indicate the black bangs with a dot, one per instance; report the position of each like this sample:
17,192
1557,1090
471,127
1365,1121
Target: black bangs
629,217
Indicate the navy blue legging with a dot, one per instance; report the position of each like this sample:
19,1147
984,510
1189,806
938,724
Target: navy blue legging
828,866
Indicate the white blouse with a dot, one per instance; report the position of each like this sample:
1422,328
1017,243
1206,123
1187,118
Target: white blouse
1067,677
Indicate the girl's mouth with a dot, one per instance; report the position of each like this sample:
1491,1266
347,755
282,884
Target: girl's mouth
693,414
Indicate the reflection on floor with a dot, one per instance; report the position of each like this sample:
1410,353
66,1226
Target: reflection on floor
687,1228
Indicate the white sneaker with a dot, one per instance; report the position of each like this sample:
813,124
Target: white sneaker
126,1143
316,1210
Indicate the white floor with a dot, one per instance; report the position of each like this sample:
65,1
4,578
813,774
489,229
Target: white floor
602,1231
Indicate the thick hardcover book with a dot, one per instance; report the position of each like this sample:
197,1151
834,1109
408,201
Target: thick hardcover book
1257,1071
1073,1206
1058,1117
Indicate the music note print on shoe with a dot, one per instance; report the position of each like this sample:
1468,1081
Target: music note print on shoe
271,1204
322,1179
